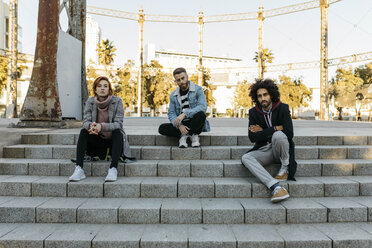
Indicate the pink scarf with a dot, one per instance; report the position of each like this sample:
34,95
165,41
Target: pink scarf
103,115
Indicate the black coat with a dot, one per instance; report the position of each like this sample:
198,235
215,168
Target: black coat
280,116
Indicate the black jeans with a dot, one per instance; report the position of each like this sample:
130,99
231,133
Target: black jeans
94,145
196,124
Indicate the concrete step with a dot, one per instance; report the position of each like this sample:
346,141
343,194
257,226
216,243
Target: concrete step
326,235
204,152
184,168
184,210
205,140
181,187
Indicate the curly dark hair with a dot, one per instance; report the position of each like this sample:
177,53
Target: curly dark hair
267,84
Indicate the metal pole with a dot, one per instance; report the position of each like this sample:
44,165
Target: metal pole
141,20
11,98
77,10
324,105
260,17
200,67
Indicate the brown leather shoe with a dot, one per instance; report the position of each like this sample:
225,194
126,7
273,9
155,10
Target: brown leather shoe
279,194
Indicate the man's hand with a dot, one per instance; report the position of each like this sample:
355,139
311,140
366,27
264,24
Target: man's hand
179,119
184,129
255,128
279,128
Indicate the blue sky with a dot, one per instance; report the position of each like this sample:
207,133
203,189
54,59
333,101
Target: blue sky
292,38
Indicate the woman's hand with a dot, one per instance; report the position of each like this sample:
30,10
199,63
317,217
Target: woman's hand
95,128
98,128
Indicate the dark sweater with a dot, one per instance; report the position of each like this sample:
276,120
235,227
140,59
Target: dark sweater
280,116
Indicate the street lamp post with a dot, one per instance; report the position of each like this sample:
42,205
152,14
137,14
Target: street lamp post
261,18
200,67
324,105
141,20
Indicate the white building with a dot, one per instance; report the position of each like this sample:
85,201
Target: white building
225,72
4,13
93,37
22,84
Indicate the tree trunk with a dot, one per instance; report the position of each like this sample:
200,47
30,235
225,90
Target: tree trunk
339,109
42,99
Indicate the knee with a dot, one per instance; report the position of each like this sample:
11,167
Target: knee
246,159
200,114
279,136
116,131
161,129
83,131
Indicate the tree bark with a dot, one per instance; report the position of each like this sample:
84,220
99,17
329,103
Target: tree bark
42,99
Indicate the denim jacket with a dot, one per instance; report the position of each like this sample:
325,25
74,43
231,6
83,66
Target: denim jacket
197,103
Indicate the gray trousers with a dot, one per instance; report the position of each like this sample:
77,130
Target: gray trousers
273,153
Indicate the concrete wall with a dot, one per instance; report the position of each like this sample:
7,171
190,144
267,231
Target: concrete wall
69,75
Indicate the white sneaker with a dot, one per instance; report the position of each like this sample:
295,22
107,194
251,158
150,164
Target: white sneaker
77,175
282,174
112,175
183,141
195,140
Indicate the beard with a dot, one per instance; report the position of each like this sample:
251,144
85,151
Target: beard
184,87
265,104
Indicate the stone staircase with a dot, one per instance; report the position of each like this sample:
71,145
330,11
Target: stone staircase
194,197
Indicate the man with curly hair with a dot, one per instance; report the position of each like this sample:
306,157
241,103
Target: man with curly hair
271,129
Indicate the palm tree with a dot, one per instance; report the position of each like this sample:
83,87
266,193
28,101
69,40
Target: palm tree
266,56
106,53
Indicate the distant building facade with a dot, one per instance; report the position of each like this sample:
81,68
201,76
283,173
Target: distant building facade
23,82
93,37
224,71
4,23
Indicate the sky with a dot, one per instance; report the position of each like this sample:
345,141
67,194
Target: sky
292,38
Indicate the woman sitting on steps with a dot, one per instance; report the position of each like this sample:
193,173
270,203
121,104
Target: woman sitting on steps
102,130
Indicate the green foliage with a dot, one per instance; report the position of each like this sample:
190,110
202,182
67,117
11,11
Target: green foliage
91,76
365,73
293,92
267,57
157,86
3,72
207,87
4,69
344,89
106,52
126,86
241,95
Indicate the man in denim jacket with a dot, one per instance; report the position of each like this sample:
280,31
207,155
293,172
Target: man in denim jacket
187,107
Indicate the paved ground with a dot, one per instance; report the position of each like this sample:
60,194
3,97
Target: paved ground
222,126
